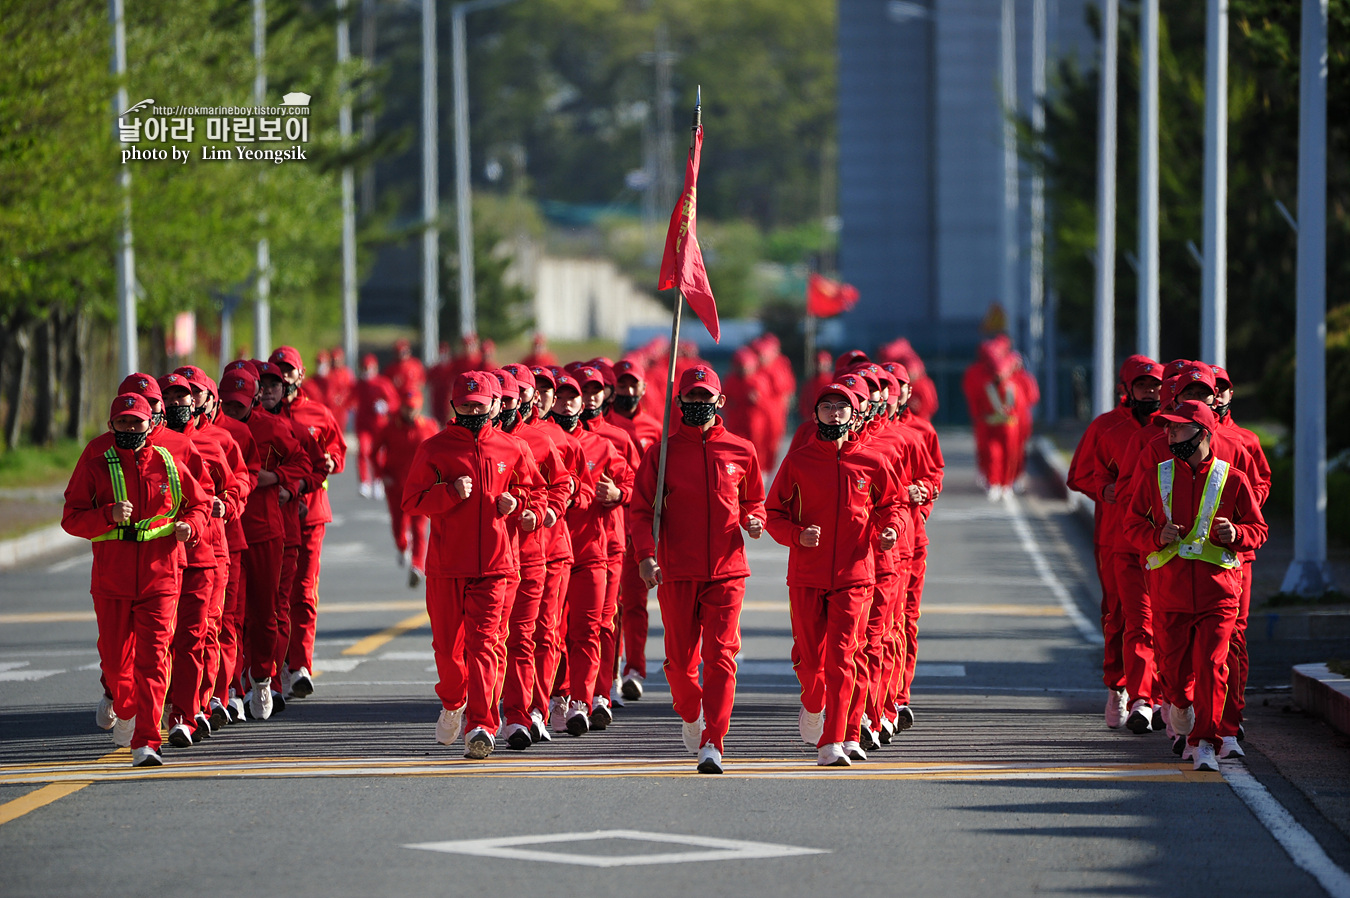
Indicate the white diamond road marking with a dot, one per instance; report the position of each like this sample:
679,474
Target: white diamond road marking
718,849
408,656
337,665
939,670
758,668
20,672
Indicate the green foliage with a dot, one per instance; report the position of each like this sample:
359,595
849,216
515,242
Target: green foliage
502,304
1278,386
35,466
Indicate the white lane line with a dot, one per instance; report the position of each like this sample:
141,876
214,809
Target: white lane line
26,675
512,848
70,563
1302,848
1089,631
337,665
408,656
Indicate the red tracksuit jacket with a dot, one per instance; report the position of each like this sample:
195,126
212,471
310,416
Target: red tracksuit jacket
850,493
590,526
713,486
643,427
616,519
323,427
396,445
1193,585
244,459
279,452
1080,478
469,538
558,540
558,484
1111,458
124,569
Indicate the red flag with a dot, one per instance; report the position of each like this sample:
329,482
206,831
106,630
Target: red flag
826,298
682,263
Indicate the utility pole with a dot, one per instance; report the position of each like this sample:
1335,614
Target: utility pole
1036,288
262,310
1011,295
1308,573
128,350
1104,332
1214,282
1149,319
349,322
431,281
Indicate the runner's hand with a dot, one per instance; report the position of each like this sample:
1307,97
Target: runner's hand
182,531
528,521
1223,530
888,538
650,572
217,507
1171,533
464,486
550,518
810,537
121,512
283,495
1109,494
754,527
506,503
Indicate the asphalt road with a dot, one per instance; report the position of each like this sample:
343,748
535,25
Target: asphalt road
1008,784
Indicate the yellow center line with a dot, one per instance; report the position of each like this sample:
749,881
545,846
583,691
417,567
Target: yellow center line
990,610
378,640
40,798
64,617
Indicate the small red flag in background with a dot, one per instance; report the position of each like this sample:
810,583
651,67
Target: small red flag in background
826,298
682,263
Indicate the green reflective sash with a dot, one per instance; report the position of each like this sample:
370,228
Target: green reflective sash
150,528
1002,405
1195,546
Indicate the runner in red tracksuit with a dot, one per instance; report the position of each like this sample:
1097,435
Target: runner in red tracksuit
405,372
375,399
338,388
469,479
323,428
616,525
222,639
930,485
133,499
282,464
994,400
609,476
188,722
392,452
831,503
645,429
1192,515
713,488
524,630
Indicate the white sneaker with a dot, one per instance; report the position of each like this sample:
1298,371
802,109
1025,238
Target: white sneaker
887,732
415,578
1203,757
402,557
379,489
122,730
854,750
260,699
557,713
709,759
601,716
578,719
616,697
287,679
1117,707
811,726
1166,711
904,717
1187,750
692,733
180,736
478,744
302,683
145,756
236,707
365,491
1230,748
538,728
994,493
220,716
450,724
1140,720
1183,720
632,686
833,755
517,737
104,715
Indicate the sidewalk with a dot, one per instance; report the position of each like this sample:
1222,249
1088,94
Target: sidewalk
32,525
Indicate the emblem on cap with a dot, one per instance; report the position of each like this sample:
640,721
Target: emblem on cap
473,385
129,402
700,374
142,383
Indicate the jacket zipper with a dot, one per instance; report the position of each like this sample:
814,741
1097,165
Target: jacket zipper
707,504
842,496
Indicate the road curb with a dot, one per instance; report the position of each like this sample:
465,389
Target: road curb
1323,693
48,540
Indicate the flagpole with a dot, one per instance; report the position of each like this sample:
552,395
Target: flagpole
658,500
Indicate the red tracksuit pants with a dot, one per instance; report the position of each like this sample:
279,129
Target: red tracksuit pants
189,643
1113,620
467,609
365,439
1237,660
231,629
609,629
918,570
215,620
827,626
633,601
304,615
290,566
262,581
407,528
702,620
883,648
522,626
1193,647
548,638
134,636
585,617
1000,452
1138,651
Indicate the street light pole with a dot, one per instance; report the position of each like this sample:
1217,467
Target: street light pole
431,281
1308,573
1214,282
1104,338
349,321
262,309
1149,324
128,352
1036,288
1008,52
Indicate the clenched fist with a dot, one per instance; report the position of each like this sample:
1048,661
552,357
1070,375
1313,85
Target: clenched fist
810,537
464,486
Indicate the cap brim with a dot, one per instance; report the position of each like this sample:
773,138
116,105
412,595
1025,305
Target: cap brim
245,398
484,398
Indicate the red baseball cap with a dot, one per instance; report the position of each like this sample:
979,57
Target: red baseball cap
267,369
507,381
287,355
130,404
368,359
141,384
628,367
587,376
897,371
849,359
174,380
835,388
546,374
1197,372
472,386
195,376
401,344
870,373
700,376
566,381
521,373
238,386
1221,376
1137,366
1192,411
411,398
856,384
1175,367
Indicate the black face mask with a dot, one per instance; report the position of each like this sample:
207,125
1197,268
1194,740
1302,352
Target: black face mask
1143,408
901,408
508,419
566,422
590,414
474,423
696,414
1185,450
831,432
178,416
289,388
1221,411
626,405
132,441
156,419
